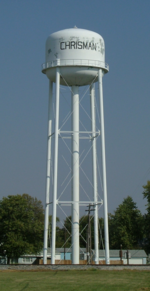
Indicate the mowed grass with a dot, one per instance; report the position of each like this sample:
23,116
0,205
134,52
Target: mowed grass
75,280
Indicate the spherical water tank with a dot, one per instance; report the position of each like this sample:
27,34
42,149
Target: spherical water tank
78,52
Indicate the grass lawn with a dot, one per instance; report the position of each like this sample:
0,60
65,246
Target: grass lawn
75,280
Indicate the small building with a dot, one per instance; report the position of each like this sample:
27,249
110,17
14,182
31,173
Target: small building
136,257
3,260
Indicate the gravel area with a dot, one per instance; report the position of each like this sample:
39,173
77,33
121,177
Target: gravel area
72,267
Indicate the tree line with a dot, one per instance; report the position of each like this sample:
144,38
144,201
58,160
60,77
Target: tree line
22,226
126,228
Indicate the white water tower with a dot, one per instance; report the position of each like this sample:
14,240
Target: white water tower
75,57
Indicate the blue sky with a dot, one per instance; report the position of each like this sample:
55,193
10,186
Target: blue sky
24,28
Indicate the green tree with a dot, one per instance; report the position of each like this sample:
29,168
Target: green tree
84,228
101,231
21,225
126,225
58,232
66,232
63,235
146,194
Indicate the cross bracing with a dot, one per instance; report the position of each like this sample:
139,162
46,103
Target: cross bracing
87,138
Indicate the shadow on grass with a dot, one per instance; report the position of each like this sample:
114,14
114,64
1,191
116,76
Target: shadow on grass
25,287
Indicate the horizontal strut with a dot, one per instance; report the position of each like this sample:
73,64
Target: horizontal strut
84,132
81,203
81,137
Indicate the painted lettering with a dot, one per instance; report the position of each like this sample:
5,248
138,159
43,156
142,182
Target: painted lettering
67,44
78,45
85,45
73,44
62,46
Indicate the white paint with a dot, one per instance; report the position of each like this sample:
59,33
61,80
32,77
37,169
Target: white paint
59,45
138,261
55,167
70,64
48,177
75,49
104,166
75,175
93,123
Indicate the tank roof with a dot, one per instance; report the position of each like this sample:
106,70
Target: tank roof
76,32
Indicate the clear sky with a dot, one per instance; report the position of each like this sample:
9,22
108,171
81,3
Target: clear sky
24,28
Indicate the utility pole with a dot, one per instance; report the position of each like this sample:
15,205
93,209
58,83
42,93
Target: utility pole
64,244
120,253
127,257
89,239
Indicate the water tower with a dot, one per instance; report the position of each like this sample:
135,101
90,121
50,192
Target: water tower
75,57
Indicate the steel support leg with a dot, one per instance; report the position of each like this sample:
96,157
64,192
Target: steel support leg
100,75
75,174
48,177
55,166
92,94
